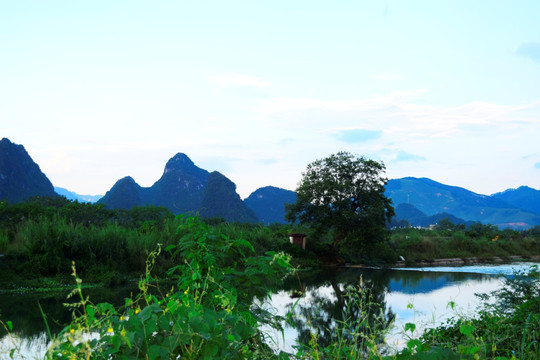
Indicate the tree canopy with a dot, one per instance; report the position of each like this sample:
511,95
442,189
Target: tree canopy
344,194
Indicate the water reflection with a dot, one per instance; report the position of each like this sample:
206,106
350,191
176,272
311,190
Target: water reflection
29,337
23,347
357,301
319,301
398,297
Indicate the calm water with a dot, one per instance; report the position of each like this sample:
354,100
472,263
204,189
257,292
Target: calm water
412,295
418,295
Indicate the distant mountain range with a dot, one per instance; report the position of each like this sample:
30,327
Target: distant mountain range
415,217
183,188
186,188
432,198
70,195
523,197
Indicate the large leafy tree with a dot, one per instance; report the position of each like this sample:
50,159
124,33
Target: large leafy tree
344,194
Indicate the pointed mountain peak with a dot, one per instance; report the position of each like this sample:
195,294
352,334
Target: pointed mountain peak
224,181
126,179
20,176
180,162
126,182
5,143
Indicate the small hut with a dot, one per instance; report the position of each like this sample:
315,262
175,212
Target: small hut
298,239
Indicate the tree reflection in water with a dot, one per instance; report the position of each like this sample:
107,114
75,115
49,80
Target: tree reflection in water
341,307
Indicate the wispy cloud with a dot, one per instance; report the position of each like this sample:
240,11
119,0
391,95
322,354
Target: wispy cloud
530,50
398,114
405,156
280,105
357,135
232,79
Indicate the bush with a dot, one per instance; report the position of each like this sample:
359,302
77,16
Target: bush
4,241
508,327
208,313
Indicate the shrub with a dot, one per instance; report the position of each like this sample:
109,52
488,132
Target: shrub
208,312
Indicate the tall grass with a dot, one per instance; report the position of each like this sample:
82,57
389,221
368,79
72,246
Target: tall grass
43,236
422,244
4,241
47,247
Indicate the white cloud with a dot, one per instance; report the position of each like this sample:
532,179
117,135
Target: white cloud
232,79
283,104
398,114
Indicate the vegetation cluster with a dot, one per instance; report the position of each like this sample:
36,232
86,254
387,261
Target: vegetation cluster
203,307
475,242
39,239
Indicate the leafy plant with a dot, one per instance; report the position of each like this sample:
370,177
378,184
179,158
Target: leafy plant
206,313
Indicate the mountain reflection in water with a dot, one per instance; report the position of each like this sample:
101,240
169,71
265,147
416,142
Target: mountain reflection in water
419,295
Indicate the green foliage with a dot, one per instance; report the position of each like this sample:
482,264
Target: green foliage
4,241
445,225
423,244
344,194
208,313
476,230
507,328
206,308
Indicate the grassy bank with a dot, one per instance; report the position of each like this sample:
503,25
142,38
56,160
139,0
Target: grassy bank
39,239
205,310
483,241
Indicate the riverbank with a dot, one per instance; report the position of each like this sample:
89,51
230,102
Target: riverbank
457,261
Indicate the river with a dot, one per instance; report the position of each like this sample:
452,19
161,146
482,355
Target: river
422,296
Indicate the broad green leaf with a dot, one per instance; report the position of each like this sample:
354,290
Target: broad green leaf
91,311
164,323
410,326
414,343
466,330
210,351
153,352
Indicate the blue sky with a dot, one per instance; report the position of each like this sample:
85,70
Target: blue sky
98,90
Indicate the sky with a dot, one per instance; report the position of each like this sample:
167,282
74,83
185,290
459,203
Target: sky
99,90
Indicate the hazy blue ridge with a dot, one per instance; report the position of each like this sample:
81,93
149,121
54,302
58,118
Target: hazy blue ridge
415,217
268,203
524,197
431,197
70,195
20,176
